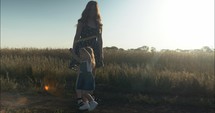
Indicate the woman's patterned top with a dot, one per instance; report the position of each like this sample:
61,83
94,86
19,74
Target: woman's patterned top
88,31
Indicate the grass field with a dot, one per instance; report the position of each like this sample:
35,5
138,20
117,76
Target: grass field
130,76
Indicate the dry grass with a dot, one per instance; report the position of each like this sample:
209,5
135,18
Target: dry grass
128,71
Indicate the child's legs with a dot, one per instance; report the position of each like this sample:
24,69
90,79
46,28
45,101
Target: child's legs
85,85
84,95
79,85
78,93
81,97
87,95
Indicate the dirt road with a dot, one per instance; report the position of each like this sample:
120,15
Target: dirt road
40,103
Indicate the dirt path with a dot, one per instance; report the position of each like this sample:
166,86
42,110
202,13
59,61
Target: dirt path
51,104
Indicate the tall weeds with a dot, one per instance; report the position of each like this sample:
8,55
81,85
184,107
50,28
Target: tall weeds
170,72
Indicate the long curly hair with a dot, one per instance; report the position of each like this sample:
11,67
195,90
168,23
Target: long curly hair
86,13
91,52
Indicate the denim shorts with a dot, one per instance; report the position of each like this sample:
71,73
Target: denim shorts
85,81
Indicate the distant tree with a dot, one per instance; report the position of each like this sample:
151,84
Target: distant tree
206,49
121,49
178,50
197,50
153,49
165,50
111,48
144,48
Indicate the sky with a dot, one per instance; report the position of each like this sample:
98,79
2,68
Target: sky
127,24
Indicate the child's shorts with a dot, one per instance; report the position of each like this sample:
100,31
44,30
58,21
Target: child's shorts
85,81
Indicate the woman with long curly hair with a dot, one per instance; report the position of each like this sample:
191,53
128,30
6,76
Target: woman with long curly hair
89,33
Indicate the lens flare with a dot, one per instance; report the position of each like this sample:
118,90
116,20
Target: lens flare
46,88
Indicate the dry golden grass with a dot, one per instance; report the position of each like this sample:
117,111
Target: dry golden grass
170,72
133,76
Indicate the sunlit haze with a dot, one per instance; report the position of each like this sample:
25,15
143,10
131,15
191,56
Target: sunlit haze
163,24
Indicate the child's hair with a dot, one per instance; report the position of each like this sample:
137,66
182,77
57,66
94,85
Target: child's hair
91,52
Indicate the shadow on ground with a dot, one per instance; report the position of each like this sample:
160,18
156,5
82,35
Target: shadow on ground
46,103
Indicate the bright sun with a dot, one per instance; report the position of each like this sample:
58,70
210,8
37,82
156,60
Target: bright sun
174,24
187,23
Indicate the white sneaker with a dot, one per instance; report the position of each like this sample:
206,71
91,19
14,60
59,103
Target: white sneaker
93,105
85,106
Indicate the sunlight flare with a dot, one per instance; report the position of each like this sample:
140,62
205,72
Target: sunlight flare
46,88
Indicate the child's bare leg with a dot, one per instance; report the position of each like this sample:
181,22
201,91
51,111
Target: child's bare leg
79,93
79,97
85,104
83,95
92,102
87,94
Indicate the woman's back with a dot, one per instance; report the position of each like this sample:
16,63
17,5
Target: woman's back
88,31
